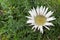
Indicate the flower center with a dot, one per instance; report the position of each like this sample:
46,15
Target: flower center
40,20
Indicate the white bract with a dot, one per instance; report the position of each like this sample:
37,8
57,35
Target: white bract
40,18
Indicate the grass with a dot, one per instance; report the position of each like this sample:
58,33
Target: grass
13,24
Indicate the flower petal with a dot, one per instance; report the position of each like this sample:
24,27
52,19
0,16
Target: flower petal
38,11
46,27
46,11
38,27
48,24
30,21
41,10
32,12
49,14
51,18
28,17
41,29
34,27
31,18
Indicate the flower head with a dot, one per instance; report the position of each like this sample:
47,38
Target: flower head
40,18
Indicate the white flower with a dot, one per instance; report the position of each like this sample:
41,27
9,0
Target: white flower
40,18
